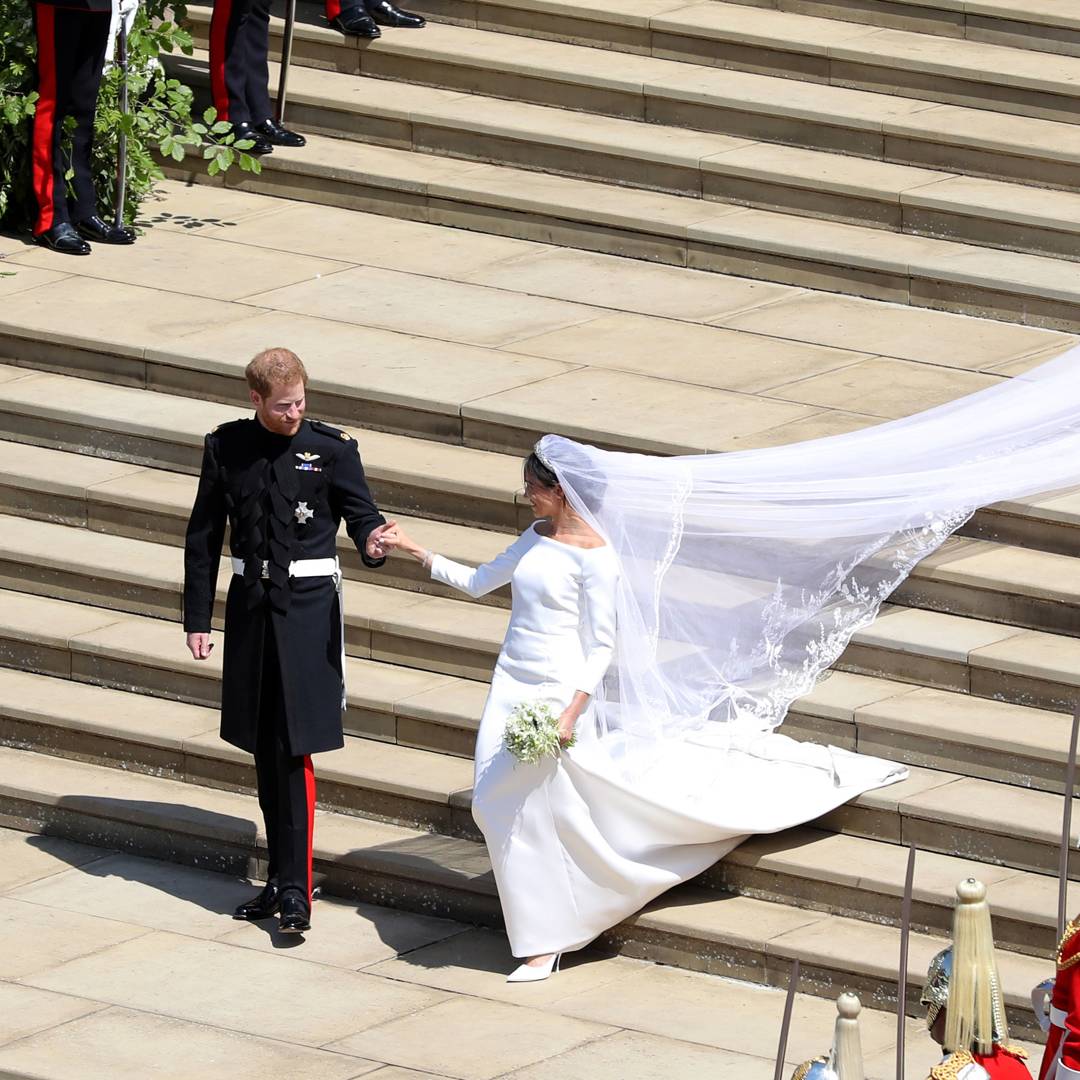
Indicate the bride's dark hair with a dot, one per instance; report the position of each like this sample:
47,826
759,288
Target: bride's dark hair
544,476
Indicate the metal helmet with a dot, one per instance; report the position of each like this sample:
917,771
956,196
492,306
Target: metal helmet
935,995
818,1069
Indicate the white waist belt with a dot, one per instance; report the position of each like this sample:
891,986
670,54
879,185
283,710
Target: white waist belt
304,568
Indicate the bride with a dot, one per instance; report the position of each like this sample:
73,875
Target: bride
670,610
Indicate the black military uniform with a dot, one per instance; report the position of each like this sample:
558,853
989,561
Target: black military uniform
72,37
283,679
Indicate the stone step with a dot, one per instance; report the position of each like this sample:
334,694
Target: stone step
804,867
46,416
165,430
743,937
440,636
985,141
1041,25
766,245
1017,587
940,811
897,198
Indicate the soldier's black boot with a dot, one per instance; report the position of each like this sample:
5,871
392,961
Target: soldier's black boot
386,14
357,22
260,144
63,238
295,912
93,228
262,906
273,132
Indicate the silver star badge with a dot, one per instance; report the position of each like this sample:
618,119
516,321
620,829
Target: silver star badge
303,513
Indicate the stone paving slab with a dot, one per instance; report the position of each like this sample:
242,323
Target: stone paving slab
324,1003
944,339
472,1039
128,1044
25,1011
168,259
24,859
706,355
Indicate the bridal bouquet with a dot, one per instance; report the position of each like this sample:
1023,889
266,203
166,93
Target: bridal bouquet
532,733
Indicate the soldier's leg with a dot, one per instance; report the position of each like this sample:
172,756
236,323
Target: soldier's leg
228,60
268,780
89,56
56,29
256,32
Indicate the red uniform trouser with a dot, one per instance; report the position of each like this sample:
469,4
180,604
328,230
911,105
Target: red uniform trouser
71,51
239,68
286,782
335,7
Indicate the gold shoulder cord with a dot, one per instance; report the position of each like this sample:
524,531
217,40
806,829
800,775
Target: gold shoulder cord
1014,1051
952,1067
1070,932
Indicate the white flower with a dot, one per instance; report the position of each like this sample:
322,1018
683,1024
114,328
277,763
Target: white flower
532,733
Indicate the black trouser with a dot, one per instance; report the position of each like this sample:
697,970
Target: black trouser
239,72
286,782
71,51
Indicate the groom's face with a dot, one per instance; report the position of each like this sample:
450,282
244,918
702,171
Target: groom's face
282,410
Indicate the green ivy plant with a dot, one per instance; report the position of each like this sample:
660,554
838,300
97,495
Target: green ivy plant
159,123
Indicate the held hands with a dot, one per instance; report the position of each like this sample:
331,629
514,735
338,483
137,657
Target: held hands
200,645
380,540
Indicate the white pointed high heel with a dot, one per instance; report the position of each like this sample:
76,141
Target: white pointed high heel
537,973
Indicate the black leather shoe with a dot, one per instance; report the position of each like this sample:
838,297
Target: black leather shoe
357,22
63,238
386,14
295,912
93,228
274,133
260,144
262,906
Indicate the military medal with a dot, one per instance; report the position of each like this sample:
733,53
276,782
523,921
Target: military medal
303,513
306,462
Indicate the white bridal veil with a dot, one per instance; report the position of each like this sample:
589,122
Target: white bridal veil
744,575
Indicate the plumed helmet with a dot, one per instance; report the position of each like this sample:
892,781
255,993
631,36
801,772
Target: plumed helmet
818,1069
976,1018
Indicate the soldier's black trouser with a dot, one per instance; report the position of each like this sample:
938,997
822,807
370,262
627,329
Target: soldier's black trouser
286,781
239,71
71,52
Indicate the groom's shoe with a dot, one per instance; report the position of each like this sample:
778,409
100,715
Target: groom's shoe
262,906
295,912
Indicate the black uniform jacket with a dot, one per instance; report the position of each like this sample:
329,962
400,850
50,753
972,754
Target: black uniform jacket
78,5
284,498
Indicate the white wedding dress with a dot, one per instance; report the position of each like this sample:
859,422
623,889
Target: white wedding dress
579,844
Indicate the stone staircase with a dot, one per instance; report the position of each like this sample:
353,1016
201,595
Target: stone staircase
921,151
904,152
111,735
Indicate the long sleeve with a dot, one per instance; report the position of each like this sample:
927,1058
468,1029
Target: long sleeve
600,576
481,580
351,498
202,545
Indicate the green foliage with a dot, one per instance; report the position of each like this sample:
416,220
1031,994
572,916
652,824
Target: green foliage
159,122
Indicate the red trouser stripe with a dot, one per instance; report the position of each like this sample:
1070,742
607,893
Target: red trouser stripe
333,8
45,118
309,787
219,31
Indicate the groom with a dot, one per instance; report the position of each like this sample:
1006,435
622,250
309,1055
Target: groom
283,484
